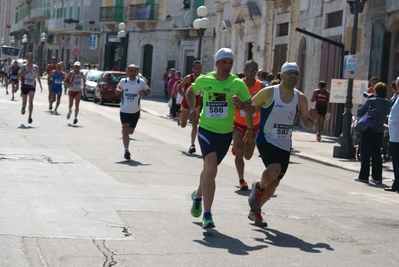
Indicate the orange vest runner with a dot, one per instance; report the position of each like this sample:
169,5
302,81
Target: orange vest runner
239,115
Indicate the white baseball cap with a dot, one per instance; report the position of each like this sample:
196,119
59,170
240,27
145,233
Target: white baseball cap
289,66
77,63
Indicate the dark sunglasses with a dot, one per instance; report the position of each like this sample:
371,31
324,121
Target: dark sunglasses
291,72
251,69
29,57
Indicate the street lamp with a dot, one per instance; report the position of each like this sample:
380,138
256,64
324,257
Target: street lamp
121,36
24,41
201,24
2,41
12,40
346,149
42,40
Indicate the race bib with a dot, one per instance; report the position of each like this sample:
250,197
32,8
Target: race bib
77,84
130,97
57,81
14,77
29,81
216,109
281,131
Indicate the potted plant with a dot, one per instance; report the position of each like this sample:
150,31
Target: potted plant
78,27
92,22
8,25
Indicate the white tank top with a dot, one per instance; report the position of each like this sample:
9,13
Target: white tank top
76,82
277,120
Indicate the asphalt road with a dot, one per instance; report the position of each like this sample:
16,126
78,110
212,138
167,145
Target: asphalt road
68,198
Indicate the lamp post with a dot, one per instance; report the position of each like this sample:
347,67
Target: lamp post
346,149
121,36
201,24
2,41
12,40
42,40
24,41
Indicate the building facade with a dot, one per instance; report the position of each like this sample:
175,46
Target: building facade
160,34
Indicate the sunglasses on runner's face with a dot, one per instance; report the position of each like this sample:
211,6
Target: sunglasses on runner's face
252,69
291,72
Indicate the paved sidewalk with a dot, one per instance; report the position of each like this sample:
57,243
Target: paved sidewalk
304,143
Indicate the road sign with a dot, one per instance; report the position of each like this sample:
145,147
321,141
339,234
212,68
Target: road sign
93,41
76,52
339,89
349,68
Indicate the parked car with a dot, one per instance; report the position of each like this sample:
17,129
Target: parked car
105,89
92,77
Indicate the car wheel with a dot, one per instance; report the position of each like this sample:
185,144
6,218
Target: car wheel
102,100
84,95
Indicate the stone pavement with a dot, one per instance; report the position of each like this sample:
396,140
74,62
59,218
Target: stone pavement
304,143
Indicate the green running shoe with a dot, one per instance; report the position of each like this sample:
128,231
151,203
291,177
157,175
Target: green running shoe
196,209
207,221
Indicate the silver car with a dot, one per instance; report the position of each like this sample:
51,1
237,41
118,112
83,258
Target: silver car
91,83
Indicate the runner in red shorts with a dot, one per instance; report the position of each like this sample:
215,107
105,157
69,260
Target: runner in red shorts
185,110
242,149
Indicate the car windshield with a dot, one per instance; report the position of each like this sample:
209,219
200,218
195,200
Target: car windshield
116,77
94,76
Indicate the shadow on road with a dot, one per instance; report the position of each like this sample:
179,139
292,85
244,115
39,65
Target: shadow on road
191,155
74,126
132,163
23,126
279,239
214,239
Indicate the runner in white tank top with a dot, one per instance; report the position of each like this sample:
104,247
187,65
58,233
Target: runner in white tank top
279,106
75,80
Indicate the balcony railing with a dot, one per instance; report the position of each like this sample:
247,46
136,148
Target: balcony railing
112,14
143,12
56,24
83,26
40,13
19,26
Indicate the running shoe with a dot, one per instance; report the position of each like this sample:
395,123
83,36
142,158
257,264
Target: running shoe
127,154
233,150
7,92
196,209
55,112
23,110
256,216
69,114
191,150
207,221
254,197
12,98
50,106
75,121
243,185
30,120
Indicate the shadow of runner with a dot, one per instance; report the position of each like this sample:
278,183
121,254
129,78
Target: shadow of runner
132,162
214,239
279,239
23,126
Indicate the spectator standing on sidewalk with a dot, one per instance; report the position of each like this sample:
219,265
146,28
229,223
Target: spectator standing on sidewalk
373,82
371,141
240,148
130,90
279,106
14,78
395,91
393,122
322,97
220,89
171,83
173,95
165,78
196,67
